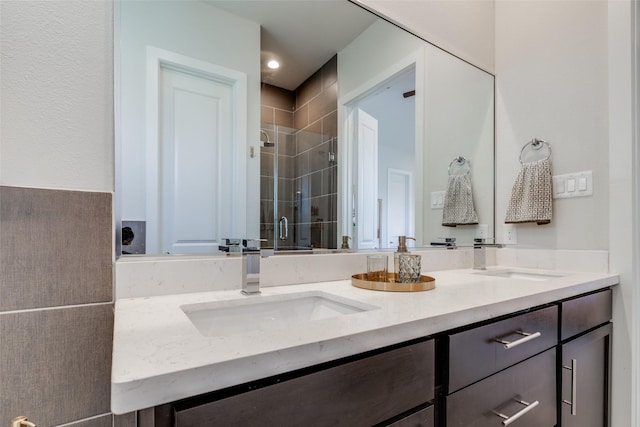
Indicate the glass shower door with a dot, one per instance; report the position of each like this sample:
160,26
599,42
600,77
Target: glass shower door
298,187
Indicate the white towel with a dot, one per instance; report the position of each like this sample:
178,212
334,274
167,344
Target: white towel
458,202
532,194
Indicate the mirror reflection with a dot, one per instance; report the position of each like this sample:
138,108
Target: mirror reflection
351,135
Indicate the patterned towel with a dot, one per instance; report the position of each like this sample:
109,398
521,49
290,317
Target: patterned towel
532,194
458,202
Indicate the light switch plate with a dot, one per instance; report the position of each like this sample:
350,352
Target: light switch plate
437,199
482,231
577,184
510,234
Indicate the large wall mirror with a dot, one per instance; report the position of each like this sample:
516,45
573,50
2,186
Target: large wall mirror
362,130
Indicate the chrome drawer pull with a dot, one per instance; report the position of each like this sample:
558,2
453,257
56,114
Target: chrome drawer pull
574,386
527,407
525,337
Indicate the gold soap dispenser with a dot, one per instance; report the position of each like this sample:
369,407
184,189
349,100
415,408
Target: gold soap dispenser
402,248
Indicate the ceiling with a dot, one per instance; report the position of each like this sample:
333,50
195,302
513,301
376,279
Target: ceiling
301,34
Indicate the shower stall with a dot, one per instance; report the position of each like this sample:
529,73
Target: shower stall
298,189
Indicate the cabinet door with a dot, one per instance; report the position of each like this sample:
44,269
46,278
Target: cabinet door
360,393
525,394
585,380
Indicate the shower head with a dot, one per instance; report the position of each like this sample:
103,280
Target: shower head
266,143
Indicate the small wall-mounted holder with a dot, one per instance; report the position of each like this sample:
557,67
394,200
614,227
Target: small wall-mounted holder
536,149
21,421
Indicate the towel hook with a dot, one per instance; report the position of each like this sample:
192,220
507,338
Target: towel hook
536,144
460,161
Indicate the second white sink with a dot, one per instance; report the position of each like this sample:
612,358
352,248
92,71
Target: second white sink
523,275
219,318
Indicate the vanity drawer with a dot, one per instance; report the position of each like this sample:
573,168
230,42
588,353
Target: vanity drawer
363,392
475,354
585,312
531,381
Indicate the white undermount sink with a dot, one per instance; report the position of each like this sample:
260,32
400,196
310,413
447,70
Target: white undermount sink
220,318
522,275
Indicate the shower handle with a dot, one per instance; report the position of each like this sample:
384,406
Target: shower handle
284,228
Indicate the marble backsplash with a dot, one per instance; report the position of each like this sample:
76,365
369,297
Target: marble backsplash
153,276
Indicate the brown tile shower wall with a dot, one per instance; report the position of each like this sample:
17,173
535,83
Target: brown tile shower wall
277,105
56,311
316,120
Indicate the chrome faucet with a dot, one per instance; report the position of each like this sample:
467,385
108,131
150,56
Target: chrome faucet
251,271
480,253
479,257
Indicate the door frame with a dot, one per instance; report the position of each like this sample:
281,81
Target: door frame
157,58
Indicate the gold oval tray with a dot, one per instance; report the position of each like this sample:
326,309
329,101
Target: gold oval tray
426,283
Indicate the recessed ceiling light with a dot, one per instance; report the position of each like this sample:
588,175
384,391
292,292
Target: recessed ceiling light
273,64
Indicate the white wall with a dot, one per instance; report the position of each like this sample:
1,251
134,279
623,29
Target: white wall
458,122
195,30
372,54
551,65
57,95
462,27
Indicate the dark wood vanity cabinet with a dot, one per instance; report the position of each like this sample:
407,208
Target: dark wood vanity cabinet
394,387
585,361
547,367
543,367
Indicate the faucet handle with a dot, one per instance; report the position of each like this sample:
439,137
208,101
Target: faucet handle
482,243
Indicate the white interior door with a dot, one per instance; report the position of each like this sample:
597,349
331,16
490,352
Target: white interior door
196,126
399,206
367,188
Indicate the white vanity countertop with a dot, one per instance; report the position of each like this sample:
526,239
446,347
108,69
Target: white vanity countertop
159,356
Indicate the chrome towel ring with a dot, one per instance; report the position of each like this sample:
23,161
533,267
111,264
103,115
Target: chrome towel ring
536,145
460,162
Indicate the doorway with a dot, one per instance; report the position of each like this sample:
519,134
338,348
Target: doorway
391,206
